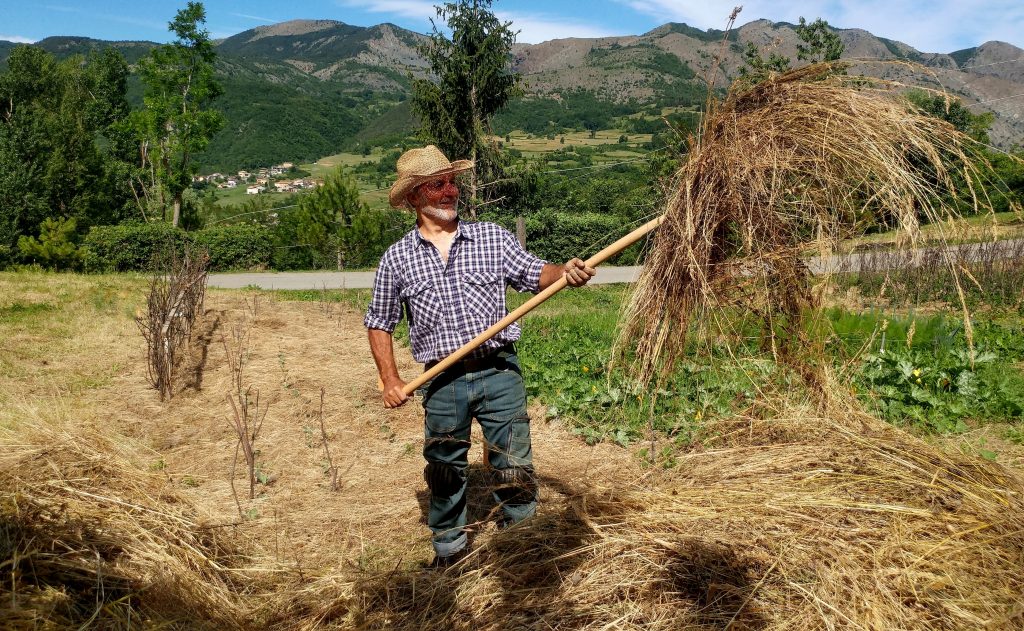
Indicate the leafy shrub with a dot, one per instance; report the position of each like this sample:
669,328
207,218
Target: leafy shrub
129,246
238,246
560,236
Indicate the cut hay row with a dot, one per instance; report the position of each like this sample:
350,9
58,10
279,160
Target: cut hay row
794,522
91,538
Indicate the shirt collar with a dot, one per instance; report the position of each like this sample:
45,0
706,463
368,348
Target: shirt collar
463,230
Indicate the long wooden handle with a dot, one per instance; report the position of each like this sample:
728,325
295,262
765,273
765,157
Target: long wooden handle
530,305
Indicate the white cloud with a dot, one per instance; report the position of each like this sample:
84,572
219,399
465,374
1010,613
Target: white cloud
536,28
422,9
253,17
939,26
17,39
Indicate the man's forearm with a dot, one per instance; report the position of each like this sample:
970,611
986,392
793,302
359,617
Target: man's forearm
383,353
576,273
549,274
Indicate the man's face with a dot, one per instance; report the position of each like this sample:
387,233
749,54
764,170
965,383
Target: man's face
440,195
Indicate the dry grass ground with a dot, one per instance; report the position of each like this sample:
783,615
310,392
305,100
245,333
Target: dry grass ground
780,519
73,364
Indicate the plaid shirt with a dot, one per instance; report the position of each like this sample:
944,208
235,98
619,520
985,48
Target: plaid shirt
450,304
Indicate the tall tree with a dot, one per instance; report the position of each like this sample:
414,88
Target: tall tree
819,43
178,120
320,220
52,115
473,80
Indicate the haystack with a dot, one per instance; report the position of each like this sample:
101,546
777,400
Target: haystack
788,167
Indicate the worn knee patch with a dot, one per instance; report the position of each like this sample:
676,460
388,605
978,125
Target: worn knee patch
516,485
443,479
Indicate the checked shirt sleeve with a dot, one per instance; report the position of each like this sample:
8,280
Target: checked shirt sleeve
522,269
385,308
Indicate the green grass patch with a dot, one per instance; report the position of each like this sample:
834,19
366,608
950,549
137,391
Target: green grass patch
18,311
913,370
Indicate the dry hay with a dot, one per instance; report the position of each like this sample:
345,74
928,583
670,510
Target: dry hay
791,165
785,521
781,520
792,522
93,540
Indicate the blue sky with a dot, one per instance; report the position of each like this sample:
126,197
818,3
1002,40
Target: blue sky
937,26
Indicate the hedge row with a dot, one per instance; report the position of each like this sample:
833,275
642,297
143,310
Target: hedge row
131,246
554,236
558,236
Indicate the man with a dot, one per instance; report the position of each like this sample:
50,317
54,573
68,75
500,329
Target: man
450,277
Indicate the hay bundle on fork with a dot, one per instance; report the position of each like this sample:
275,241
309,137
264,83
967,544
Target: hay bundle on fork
792,165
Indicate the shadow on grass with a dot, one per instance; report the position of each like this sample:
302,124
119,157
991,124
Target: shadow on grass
541,573
199,350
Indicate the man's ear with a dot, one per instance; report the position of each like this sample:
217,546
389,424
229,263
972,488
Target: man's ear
410,198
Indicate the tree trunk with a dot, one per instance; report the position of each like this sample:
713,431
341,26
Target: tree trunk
472,152
177,210
521,231
472,185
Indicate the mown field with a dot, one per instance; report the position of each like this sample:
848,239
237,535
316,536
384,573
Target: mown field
729,484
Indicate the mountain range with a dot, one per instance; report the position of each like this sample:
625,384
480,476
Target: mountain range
306,88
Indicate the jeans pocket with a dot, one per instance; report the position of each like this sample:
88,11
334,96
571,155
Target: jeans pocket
520,448
440,406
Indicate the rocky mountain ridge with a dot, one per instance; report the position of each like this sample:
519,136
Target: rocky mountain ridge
369,68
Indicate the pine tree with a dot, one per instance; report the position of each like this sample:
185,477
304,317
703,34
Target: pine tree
473,80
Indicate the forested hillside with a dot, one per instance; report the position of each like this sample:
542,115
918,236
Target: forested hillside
307,88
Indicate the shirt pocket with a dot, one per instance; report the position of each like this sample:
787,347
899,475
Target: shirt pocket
484,295
422,303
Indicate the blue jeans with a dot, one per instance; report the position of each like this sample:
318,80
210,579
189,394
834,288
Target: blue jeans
496,397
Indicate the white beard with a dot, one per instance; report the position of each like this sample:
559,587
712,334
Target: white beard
440,214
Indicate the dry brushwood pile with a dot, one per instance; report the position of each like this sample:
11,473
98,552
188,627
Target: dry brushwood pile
117,508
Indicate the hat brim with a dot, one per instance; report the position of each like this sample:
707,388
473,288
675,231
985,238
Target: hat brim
402,186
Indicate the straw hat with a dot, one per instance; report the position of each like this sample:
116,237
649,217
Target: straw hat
417,166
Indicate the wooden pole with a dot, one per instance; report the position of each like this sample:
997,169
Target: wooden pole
530,305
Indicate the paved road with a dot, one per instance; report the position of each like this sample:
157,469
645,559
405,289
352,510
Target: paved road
361,280
873,260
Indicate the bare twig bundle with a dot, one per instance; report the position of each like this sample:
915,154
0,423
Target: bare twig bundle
796,163
175,299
